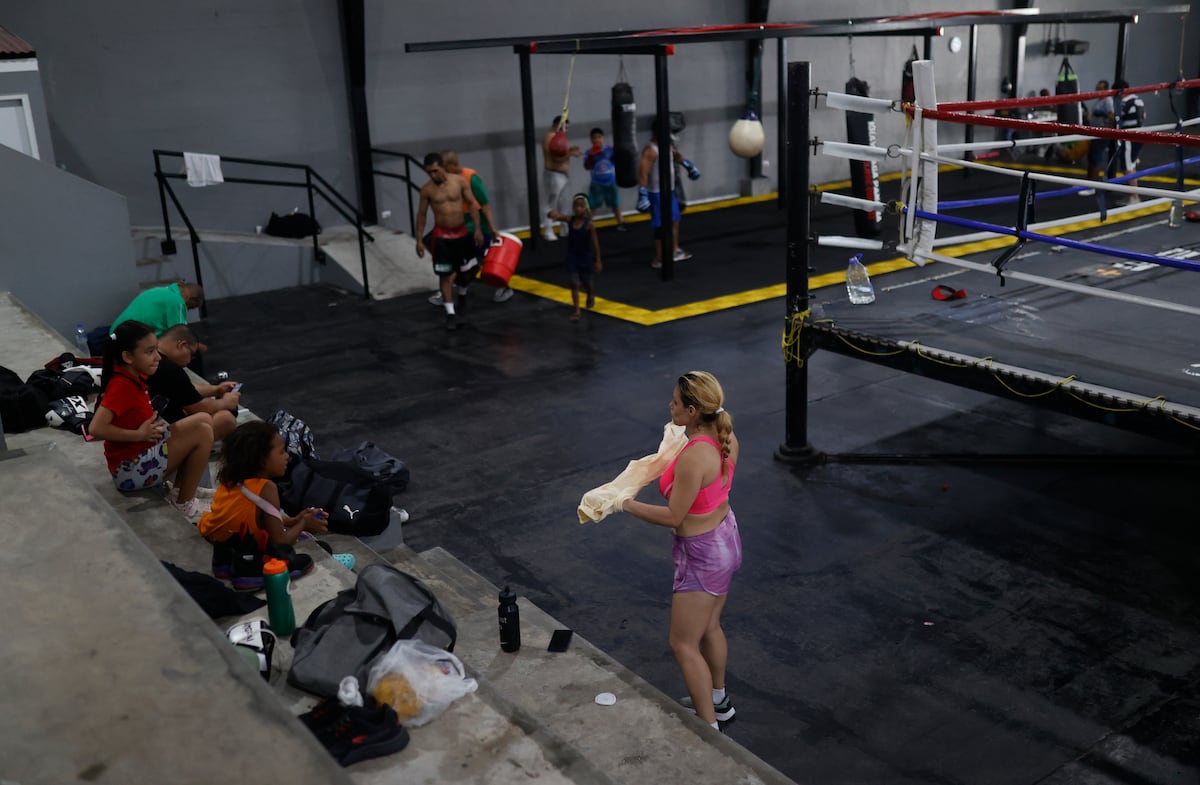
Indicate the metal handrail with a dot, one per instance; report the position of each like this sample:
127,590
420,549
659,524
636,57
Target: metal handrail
406,178
332,197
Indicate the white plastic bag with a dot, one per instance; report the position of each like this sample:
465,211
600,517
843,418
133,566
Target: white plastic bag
418,680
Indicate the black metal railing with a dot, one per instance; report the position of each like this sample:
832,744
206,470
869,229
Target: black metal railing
313,183
406,178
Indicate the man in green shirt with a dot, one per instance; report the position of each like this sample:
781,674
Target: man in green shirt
162,307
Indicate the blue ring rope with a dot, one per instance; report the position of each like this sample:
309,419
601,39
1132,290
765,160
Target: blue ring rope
961,203
1135,256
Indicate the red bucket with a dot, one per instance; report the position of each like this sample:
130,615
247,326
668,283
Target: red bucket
500,261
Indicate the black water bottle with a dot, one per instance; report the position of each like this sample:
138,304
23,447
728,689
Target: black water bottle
510,621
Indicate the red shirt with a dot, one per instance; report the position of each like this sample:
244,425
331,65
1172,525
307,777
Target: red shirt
128,398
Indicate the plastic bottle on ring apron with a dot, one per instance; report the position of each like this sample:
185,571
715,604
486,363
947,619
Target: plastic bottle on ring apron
510,621
279,597
858,283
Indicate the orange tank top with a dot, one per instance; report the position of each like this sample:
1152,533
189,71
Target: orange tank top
231,512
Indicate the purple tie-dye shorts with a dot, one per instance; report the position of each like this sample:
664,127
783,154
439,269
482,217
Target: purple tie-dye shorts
706,562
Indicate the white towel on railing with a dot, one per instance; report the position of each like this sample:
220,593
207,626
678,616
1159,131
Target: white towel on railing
203,169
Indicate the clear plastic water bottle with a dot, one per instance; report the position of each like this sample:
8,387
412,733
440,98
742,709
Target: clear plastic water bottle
510,621
81,343
858,283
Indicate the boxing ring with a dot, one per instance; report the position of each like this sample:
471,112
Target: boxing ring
1093,315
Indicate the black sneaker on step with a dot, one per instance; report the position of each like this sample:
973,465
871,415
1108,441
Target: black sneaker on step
724,710
247,558
222,560
299,564
451,322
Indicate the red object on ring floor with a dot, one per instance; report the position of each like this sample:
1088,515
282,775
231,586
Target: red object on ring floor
943,292
1192,215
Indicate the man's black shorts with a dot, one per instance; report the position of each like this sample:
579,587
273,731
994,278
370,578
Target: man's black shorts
452,254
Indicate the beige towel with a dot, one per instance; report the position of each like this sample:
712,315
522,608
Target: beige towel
600,502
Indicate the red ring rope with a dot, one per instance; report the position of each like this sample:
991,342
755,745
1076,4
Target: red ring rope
1059,129
721,29
1066,98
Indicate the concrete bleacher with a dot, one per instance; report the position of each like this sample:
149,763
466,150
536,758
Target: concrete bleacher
115,675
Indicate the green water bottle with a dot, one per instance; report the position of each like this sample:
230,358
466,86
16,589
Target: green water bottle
279,597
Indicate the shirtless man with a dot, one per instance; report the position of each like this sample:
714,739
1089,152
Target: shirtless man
453,250
554,177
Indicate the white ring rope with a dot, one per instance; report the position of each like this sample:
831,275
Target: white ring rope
1054,283
842,241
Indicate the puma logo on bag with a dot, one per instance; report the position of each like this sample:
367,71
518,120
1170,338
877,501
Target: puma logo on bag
349,511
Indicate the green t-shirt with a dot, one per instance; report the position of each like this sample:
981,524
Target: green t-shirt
482,198
159,308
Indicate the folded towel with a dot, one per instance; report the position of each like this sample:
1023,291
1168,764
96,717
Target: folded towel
600,502
202,169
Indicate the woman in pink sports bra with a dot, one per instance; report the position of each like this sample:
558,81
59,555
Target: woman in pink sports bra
706,546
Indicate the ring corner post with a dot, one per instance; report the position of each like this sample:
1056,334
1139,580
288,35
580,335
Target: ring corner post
796,450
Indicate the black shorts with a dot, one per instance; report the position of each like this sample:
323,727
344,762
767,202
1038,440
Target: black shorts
452,254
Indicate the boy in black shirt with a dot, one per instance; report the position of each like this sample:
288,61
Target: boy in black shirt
176,347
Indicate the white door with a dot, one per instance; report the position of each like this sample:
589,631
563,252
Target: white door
16,124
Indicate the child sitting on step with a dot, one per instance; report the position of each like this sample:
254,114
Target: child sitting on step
245,524
140,447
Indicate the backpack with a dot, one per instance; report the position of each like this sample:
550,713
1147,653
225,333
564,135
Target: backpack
295,225
385,468
344,636
357,503
297,436
65,383
22,406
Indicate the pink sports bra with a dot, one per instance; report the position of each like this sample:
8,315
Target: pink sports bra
712,495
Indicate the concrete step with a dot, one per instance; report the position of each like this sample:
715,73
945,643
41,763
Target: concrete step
112,673
393,267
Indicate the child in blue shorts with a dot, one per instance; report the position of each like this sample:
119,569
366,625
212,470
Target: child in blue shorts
583,250
604,191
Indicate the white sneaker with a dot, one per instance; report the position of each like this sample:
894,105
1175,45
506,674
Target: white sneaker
436,299
549,236
192,509
655,264
201,492
681,255
502,295
1088,192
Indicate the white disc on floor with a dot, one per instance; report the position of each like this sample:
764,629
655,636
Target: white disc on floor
606,699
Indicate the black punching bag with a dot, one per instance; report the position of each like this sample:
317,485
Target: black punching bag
624,135
864,175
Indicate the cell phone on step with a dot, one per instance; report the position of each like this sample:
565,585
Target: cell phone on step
560,640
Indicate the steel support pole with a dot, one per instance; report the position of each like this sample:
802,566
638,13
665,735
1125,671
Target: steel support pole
666,166
781,91
796,448
531,173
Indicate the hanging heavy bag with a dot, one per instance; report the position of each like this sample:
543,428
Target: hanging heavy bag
864,175
1068,84
624,123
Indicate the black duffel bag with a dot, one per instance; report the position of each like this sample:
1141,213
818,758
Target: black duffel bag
357,503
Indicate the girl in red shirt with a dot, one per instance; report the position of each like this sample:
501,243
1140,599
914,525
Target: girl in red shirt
141,449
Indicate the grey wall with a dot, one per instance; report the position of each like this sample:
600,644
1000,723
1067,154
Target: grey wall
65,249
260,80
30,83
266,79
